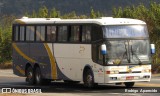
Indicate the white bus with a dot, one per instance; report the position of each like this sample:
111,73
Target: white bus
93,51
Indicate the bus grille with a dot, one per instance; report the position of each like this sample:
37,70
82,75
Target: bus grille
128,72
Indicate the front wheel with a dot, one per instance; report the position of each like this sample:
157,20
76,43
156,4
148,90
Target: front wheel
30,77
129,84
88,79
38,76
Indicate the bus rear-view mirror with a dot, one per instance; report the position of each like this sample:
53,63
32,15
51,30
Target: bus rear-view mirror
153,50
103,49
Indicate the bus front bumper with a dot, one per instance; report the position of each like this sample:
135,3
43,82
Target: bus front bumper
119,78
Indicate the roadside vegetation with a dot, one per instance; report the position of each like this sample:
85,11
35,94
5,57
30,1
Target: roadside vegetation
151,15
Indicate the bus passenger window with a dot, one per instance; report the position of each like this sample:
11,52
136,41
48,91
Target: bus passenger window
16,33
22,31
75,32
97,33
62,33
30,30
86,33
51,33
40,33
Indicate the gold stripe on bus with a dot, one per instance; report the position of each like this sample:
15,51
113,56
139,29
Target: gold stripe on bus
39,35
52,61
20,22
22,54
20,70
138,66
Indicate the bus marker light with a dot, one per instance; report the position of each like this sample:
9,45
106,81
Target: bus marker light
107,72
129,77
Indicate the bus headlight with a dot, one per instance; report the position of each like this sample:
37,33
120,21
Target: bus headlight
116,72
146,71
112,72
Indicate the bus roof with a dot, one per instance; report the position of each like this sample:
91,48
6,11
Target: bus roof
99,21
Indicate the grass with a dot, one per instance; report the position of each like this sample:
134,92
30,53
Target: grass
6,65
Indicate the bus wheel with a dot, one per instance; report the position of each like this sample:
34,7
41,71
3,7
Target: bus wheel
129,84
30,78
38,76
88,79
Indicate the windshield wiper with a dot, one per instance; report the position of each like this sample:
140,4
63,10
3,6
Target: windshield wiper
125,53
133,53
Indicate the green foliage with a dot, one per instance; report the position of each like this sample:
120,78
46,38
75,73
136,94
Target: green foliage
95,14
151,16
71,15
54,13
43,12
5,38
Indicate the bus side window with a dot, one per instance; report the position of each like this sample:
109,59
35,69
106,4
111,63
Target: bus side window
16,33
51,33
86,33
75,33
40,33
97,33
22,33
96,53
62,33
30,30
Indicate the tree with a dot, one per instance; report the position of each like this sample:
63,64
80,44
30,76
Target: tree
71,15
5,38
54,13
151,16
93,13
43,12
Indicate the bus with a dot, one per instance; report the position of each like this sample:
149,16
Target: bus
104,50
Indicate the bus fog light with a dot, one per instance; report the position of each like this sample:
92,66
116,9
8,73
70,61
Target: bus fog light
147,76
113,78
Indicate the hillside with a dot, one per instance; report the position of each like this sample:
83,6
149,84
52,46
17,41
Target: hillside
19,7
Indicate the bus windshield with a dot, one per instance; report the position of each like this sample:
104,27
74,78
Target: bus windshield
128,51
125,31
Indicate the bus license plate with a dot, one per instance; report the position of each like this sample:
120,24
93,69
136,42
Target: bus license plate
129,77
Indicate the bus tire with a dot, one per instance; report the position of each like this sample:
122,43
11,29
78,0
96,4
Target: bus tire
38,76
129,84
89,79
30,77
